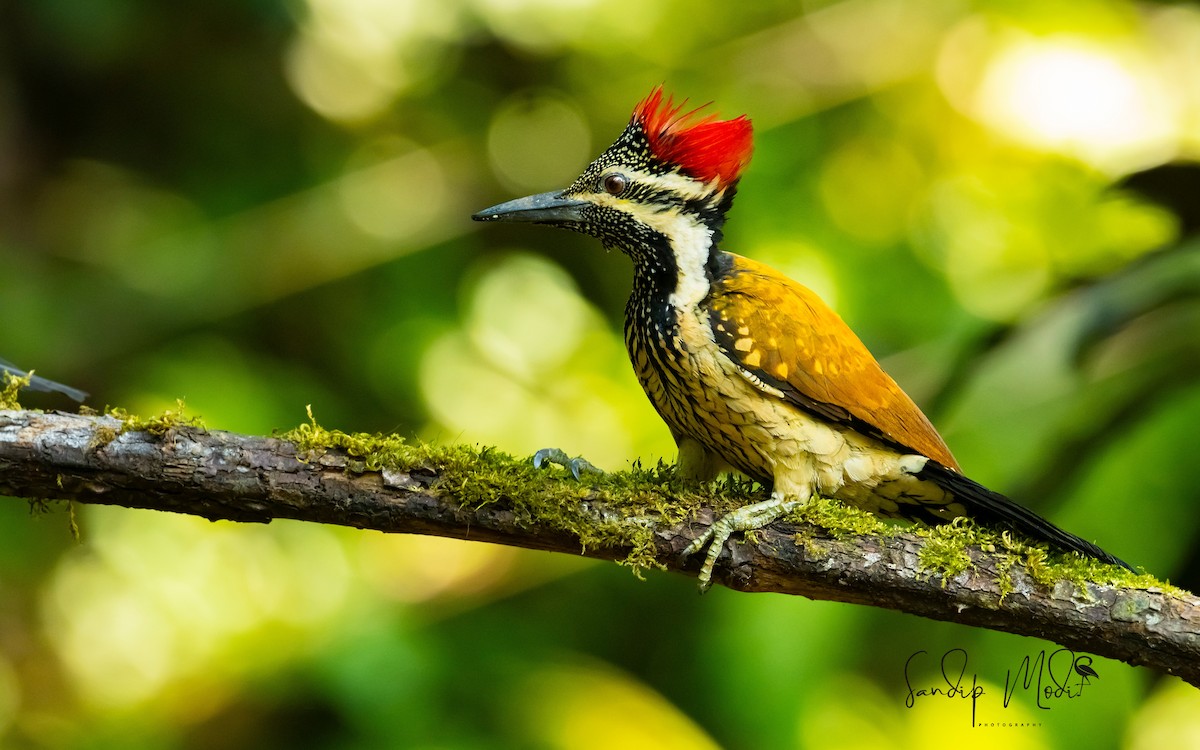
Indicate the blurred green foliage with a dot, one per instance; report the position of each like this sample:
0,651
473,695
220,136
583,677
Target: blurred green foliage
257,205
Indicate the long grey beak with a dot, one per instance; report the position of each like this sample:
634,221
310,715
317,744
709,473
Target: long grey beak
543,208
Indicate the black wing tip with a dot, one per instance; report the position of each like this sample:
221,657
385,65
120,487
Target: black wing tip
992,507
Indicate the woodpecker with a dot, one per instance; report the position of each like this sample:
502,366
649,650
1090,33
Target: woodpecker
750,370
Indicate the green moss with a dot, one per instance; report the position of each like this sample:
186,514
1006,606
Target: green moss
1049,568
837,519
159,424
73,522
946,553
102,436
12,386
945,549
840,520
479,476
371,452
1004,580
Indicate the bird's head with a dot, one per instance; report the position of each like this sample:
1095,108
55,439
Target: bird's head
663,186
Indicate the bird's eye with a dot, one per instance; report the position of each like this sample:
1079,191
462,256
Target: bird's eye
615,184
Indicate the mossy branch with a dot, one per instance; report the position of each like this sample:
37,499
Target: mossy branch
958,573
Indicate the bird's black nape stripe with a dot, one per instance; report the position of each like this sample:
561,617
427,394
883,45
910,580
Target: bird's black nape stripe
992,507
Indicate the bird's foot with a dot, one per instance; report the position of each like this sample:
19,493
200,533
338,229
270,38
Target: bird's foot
576,465
746,518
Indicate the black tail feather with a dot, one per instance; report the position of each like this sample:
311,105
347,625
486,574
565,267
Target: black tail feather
992,507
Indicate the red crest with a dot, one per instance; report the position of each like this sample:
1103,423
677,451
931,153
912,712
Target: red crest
706,149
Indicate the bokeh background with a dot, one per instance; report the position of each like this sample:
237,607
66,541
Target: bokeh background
256,205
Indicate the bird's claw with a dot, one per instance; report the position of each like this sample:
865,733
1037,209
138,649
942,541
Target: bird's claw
746,518
715,538
577,466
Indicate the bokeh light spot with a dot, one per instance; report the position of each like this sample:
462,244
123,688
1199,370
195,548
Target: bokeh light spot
1099,102
867,187
538,142
393,190
1170,717
996,263
526,315
335,84
540,25
157,599
413,568
534,365
575,707
352,58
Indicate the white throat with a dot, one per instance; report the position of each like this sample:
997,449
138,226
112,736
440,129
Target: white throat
691,240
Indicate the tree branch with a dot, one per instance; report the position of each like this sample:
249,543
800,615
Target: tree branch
220,475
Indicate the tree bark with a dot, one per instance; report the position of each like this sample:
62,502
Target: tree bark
225,476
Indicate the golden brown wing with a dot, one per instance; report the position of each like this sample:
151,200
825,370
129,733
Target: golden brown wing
782,333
